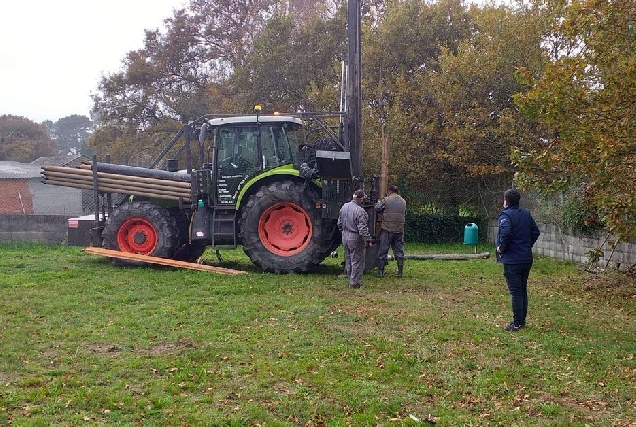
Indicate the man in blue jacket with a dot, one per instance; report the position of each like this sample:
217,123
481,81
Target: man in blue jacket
516,235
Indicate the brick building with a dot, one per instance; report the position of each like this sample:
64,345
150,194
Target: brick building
22,192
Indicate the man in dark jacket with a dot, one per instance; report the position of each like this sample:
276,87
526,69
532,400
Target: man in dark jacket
516,235
353,222
393,209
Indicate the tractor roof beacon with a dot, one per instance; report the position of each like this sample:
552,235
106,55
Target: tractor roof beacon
273,184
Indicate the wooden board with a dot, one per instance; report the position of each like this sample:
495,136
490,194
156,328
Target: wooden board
161,261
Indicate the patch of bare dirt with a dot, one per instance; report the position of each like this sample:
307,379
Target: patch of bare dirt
159,349
615,286
103,348
171,347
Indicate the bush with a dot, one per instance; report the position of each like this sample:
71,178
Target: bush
437,228
581,217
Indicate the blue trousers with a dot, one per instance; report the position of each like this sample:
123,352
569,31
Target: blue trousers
517,280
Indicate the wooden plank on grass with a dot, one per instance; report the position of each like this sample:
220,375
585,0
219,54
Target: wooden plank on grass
161,261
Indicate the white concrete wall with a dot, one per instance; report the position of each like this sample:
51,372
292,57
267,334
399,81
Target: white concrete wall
559,244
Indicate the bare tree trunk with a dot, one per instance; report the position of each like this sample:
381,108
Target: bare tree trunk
384,168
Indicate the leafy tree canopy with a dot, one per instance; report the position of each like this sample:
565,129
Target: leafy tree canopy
71,133
439,83
23,140
584,100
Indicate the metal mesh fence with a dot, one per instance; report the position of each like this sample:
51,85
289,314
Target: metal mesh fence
481,199
32,197
545,209
566,210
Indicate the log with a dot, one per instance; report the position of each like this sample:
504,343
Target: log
119,190
87,172
136,171
452,257
118,182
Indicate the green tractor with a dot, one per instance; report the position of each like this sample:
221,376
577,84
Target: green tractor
273,184
259,187
251,180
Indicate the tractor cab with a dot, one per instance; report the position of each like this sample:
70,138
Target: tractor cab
247,146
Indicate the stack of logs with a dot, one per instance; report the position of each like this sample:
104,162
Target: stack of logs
121,179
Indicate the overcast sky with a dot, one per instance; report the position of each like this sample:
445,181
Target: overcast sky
53,52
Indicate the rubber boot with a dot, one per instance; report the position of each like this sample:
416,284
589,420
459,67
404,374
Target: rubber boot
400,263
381,265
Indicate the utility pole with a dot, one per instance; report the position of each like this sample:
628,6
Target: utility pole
354,86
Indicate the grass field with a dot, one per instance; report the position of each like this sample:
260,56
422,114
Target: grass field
88,343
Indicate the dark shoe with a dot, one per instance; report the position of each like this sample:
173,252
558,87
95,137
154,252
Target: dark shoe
381,265
512,327
355,286
400,263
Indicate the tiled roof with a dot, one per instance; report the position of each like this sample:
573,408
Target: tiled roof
16,170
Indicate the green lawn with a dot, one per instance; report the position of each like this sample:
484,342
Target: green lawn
86,343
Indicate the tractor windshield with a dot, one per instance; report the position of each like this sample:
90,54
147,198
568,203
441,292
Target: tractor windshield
255,147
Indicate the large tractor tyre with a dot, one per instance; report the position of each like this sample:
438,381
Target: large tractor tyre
186,251
281,231
141,228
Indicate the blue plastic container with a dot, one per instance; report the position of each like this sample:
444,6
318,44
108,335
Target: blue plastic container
471,234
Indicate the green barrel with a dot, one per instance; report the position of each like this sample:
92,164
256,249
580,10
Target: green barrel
471,234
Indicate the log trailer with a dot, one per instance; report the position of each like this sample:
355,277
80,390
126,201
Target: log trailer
273,184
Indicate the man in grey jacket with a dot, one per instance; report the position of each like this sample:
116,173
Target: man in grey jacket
393,209
353,222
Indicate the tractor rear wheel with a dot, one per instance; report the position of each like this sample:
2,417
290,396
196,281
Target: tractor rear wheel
141,228
281,230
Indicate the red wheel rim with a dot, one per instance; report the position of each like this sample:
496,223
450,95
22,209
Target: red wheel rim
137,235
285,228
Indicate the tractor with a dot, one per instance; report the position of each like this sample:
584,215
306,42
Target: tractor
270,183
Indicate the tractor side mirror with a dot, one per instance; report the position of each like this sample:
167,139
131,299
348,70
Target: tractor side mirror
203,133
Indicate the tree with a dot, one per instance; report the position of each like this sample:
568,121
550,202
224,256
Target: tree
133,147
228,27
179,74
479,123
585,100
280,74
170,77
164,79
400,53
71,133
23,140
439,82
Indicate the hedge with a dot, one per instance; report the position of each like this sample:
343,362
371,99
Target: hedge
436,228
